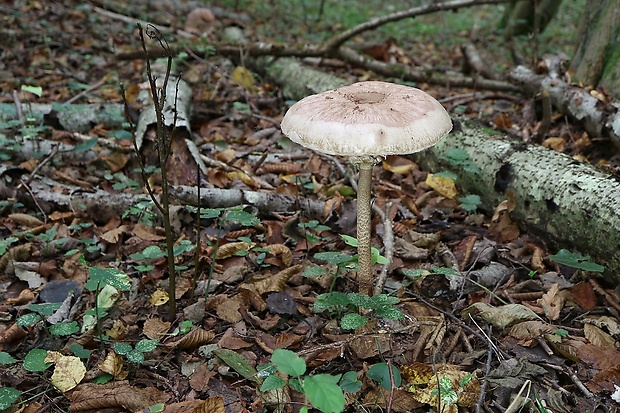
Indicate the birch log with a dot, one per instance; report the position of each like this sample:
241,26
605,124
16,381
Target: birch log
558,199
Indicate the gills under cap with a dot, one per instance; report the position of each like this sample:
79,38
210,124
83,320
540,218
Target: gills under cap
367,118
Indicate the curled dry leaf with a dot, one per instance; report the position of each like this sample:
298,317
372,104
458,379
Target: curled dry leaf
12,334
93,396
25,296
530,329
193,339
25,220
271,282
232,248
552,302
502,316
114,235
279,168
283,250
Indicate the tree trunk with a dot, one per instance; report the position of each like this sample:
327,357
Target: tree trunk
563,202
528,16
597,58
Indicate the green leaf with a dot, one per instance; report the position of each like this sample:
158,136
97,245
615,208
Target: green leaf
46,309
272,382
327,300
103,379
100,277
157,408
150,252
86,145
383,300
35,360
576,260
288,362
335,258
446,174
470,202
146,345
184,246
240,216
135,356
6,358
377,258
210,213
360,300
349,382
381,373
35,90
122,348
314,272
64,328
297,384
391,313
238,363
79,351
8,396
352,241
324,393
352,321
28,320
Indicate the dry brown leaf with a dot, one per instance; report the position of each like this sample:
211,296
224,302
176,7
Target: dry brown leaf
425,386
232,248
271,282
598,337
502,316
228,310
552,302
93,396
193,339
199,380
155,328
26,220
113,364
25,296
275,249
530,329
118,331
12,334
200,21
116,161
147,233
114,235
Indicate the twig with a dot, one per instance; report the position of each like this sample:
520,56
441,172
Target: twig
126,19
580,384
89,89
336,41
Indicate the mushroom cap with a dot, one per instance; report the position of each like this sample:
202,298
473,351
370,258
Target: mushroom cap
367,118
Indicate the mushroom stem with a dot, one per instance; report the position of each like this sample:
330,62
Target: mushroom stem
364,253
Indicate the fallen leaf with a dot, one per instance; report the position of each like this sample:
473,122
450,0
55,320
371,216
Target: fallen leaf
68,370
444,186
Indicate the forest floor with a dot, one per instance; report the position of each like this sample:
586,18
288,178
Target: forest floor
84,309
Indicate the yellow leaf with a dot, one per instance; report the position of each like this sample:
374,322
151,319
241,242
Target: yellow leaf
113,364
244,77
442,185
159,297
68,371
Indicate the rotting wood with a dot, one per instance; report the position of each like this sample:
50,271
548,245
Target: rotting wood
598,118
565,203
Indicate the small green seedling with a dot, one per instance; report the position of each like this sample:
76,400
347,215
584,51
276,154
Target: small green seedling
135,354
381,306
381,373
324,391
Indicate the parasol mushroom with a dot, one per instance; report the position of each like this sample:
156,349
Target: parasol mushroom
367,121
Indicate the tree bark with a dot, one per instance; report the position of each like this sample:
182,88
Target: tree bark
597,57
528,16
564,202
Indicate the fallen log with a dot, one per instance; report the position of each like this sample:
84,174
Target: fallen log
566,203
597,117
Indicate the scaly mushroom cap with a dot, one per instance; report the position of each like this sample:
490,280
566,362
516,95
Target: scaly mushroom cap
367,118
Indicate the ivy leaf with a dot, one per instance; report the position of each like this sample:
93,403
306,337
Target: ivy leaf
64,328
35,360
